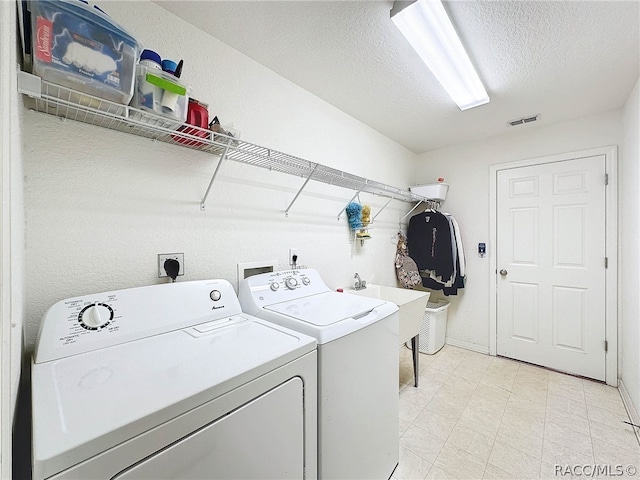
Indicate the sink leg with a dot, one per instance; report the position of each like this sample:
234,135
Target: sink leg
416,358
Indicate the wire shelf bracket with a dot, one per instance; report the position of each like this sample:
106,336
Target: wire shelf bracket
383,207
410,211
286,212
213,177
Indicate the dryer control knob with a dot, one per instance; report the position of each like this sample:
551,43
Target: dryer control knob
215,295
274,286
291,283
95,316
306,280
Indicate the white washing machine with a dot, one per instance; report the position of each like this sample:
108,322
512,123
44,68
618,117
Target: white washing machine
357,367
171,381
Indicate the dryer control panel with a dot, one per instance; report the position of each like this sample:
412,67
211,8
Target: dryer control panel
81,324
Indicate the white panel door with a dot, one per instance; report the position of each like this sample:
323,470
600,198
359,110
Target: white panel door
551,265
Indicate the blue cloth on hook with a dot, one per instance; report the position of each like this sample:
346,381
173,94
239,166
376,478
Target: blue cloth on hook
354,214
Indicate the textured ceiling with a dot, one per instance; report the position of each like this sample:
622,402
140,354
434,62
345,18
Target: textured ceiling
560,59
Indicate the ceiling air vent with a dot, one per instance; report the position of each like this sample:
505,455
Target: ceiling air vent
522,121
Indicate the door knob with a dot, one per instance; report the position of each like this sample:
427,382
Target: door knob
503,272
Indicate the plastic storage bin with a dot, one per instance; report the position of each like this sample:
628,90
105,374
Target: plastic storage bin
80,47
432,191
434,327
160,93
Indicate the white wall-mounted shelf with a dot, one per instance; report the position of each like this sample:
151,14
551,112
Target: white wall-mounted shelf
70,104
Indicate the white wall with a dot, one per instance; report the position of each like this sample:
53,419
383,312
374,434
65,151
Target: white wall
466,168
630,249
101,205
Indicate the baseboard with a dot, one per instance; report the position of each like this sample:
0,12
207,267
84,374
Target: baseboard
631,409
466,345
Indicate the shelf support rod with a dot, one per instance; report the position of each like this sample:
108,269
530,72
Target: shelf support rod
352,199
286,212
410,211
380,211
215,173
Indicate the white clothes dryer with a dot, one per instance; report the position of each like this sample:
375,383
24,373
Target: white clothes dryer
171,381
357,367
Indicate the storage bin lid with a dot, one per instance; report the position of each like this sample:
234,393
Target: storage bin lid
93,15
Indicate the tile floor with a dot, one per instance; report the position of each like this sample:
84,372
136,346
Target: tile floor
480,417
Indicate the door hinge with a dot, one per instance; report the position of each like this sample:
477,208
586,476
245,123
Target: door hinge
606,262
606,346
606,179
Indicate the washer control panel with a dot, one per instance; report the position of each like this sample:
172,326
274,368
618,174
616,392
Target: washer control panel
288,280
273,287
90,322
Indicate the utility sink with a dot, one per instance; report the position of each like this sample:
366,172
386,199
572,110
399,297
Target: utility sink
412,304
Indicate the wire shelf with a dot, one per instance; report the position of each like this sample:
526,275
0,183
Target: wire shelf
70,104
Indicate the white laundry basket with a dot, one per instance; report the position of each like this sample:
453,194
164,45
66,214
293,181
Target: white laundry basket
434,327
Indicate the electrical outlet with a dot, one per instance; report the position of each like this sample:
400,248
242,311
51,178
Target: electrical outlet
162,257
292,252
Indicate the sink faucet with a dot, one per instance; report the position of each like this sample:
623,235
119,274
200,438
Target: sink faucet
360,284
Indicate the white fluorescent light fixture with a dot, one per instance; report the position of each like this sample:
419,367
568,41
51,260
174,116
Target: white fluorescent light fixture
427,27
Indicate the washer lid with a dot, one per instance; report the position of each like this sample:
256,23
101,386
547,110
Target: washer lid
326,308
87,403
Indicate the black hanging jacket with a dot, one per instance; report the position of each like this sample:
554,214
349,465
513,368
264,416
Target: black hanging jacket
430,244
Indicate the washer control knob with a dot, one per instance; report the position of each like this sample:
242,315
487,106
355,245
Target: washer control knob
274,286
215,295
291,283
96,316
306,280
